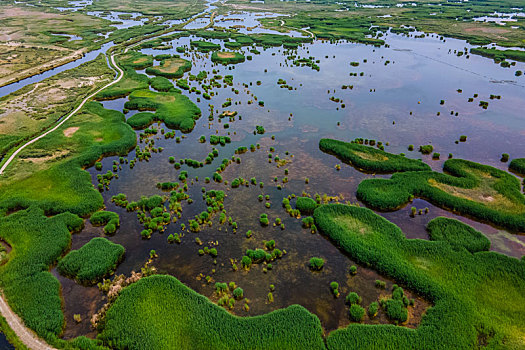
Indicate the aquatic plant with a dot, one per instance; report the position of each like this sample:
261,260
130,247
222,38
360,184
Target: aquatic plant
517,165
451,281
94,260
353,298
356,313
306,205
369,158
316,263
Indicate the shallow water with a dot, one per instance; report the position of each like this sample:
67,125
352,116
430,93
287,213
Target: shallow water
7,89
120,23
4,344
420,72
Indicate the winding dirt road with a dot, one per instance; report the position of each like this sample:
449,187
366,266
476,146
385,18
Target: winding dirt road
27,337
13,156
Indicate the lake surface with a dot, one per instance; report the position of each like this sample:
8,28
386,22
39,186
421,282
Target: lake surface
395,100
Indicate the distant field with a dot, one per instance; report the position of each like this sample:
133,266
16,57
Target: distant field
37,106
29,43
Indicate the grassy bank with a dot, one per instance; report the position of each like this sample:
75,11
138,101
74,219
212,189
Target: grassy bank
480,191
470,291
159,312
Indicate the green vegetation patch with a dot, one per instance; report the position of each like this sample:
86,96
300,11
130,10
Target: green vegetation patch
109,219
174,109
159,312
369,158
470,291
36,107
172,68
62,185
162,84
130,81
205,46
499,55
227,57
457,234
357,29
233,45
136,60
306,205
277,40
518,166
93,261
473,189
31,290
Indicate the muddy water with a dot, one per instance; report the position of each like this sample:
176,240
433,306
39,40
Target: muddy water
420,73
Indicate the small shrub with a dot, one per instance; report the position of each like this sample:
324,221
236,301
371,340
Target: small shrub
356,313
316,264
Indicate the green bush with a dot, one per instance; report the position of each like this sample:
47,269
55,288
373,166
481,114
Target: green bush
426,149
238,293
396,310
93,261
356,313
518,166
109,219
316,264
353,298
373,309
306,205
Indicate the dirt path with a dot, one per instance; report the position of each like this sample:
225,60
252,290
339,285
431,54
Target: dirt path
304,30
25,335
10,159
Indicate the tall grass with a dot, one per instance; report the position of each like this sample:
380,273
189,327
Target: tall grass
93,261
458,234
485,193
174,109
159,312
475,295
369,158
31,290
